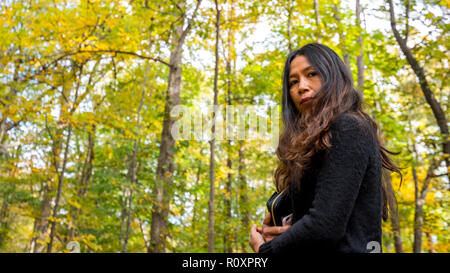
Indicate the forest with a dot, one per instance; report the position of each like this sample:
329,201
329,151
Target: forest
90,92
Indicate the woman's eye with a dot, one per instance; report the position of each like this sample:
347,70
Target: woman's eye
312,74
292,83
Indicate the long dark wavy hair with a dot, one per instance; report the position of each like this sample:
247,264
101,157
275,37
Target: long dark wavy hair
306,135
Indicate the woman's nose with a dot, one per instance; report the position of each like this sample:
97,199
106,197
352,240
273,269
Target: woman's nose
303,86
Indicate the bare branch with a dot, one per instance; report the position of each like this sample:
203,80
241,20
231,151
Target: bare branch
439,175
430,173
120,52
407,20
190,21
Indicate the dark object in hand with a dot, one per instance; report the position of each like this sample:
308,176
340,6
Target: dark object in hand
279,206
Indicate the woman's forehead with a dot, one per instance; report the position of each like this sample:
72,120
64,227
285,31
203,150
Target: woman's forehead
299,63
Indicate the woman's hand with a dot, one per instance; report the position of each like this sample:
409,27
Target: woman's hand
256,239
259,236
268,231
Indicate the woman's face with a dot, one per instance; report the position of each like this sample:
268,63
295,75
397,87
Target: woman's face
304,81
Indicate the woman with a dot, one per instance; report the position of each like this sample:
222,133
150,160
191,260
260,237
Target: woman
330,161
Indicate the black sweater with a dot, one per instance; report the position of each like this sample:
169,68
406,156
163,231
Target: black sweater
339,205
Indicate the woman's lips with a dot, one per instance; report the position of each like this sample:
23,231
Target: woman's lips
305,100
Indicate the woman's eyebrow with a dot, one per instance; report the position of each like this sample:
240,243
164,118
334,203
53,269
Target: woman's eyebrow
292,75
308,68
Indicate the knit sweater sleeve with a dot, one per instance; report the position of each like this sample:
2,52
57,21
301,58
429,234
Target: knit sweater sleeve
337,187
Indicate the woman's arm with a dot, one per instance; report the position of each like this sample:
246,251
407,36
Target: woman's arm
337,188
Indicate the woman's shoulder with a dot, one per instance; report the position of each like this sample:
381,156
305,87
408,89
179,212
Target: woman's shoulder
351,124
349,121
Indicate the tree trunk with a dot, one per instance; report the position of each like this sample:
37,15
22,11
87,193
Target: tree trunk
392,204
86,172
418,215
393,212
44,221
128,216
317,16
64,120
337,17
228,234
243,198
6,124
289,25
360,56
41,222
5,211
123,213
420,196
228,187
132,171
430,242
436,108
165,167
59,191
194,210
212,175
4,222
85,178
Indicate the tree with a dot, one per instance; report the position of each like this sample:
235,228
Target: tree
212,176
435,106
360,56
165,160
